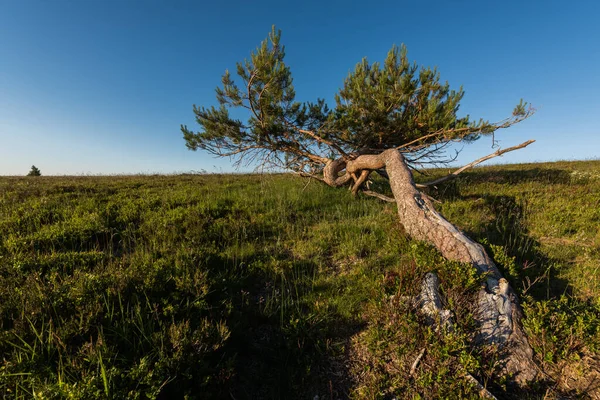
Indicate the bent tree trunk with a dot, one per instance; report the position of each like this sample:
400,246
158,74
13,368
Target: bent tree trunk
498,312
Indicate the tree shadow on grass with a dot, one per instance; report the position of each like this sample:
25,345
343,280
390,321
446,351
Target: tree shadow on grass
507,228
297,357
280,346
517,176
519,257
506,236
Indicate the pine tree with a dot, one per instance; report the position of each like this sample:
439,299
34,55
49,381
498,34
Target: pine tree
34,171
391,119
394,105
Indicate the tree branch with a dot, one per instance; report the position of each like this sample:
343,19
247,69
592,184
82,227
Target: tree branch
379,196
364,174
474,163
324,141
310,176
506,123
248,89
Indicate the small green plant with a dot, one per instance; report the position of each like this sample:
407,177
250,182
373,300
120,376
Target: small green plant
562,328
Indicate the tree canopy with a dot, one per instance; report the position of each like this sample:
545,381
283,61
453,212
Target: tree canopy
34,171
396,104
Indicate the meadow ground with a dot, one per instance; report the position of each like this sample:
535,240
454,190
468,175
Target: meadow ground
271,286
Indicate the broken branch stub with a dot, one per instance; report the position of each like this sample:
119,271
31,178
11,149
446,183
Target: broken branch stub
429,303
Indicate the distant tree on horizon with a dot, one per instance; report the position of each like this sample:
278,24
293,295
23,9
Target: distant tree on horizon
35,171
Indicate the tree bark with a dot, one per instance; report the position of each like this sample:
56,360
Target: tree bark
331,173
498,313
429,302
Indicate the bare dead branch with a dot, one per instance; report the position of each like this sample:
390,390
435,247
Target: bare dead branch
431,198
506,123
310,176
432,154
238,151
379,196
323,141
429,302
413,368
474,163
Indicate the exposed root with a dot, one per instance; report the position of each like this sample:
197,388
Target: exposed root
429,303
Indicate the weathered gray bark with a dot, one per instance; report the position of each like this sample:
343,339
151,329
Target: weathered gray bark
429,302
498,312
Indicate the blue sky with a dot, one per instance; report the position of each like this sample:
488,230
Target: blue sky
101,87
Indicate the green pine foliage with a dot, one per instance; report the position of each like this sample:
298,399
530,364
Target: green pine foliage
390,105
34,171
396,104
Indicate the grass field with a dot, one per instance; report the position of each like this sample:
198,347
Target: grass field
259,287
